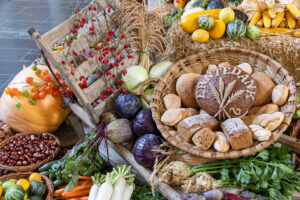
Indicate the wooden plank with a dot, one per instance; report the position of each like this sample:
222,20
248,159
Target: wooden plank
107,105
292,143
87,67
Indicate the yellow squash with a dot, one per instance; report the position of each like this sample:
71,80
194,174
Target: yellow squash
294,10
267,19
278,19
291,22
200,35
255,18
189,23
218,29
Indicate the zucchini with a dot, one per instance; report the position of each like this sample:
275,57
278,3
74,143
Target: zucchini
57,183
47,166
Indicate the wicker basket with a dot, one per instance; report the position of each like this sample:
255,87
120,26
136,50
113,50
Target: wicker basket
35,166
198,64
295,132
26,175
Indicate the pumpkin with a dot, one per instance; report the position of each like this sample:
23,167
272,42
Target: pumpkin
37,188
236,30
19,112
205,22
189,23
15,192
218,29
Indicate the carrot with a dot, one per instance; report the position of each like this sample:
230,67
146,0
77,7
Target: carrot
81,187
80,198
84,178
72,194
59,192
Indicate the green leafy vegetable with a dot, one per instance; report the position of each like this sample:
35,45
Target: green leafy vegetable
270,172
143,192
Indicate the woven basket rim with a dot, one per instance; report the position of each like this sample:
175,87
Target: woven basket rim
156,104
45,179
35,166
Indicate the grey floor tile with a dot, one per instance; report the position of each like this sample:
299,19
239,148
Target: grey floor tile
12,54
17,43
30,57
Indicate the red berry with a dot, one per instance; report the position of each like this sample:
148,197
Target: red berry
108,9
84,84
94,7
113,75
62,81
69,90
99,75
124,72
118,87
117,64
119,81
81,78
29,80
112,91
93,33
47,78
57,74
108,90
84,50
97,47
93,20
85,58
73,73
126,46
90,7
135,94
74,53
124,91
117,26
123,36
121,56
122,82
92,28
77,25
62,62
119,51
100,58
101,115
74,31
81,24
111,65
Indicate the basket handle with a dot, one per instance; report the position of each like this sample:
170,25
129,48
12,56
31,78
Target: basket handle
142,85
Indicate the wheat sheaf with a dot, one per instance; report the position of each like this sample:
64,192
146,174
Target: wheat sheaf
224,98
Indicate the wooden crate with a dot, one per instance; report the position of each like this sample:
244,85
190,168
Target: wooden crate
77,50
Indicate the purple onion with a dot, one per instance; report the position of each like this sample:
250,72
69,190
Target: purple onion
142,149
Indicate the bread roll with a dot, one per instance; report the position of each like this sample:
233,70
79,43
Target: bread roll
238,133
280,94
265,86
246,67
221,143
185,88
172,116
189,126
272,121
266,109
172,101
204,138
259,133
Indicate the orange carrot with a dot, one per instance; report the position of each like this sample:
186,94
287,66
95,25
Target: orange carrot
72,194
84,178
81,187
80,198
59,191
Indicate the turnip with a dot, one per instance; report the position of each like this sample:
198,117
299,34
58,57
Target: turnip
119,189
93,192
106,189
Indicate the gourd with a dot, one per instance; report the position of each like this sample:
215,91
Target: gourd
252,32
236,30
278,19
294,10
45,116
200,35
218,29
37,188
189,23
255,18
205,22
179,3
291,22
214,4
267,19
15,192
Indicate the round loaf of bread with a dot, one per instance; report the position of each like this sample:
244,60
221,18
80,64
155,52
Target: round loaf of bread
227,92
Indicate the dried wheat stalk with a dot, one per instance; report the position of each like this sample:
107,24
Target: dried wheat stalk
144,29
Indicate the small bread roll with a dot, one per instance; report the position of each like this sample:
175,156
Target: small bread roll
280,94
224,64
264,88
172,116
246,67
204,138
266,109
259,133
272,121
254,119
192,112
221,143
203,112
211,68
172,101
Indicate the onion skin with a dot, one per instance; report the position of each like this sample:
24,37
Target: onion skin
142,149
120,131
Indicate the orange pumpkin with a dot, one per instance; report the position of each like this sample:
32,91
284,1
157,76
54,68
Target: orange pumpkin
16,110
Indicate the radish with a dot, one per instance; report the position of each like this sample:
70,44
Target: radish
93,192
128,192
119,189
105,191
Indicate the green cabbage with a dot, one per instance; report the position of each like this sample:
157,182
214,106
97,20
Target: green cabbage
134,77
158,70
148,93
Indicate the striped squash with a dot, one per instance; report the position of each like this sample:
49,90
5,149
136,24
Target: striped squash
236,30
205,22
15,192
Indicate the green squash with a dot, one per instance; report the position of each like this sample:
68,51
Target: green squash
252,32
236,30
15,192
215,4
205,22
7,184
37,188
35,197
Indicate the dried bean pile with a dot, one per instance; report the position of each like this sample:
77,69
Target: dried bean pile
27,150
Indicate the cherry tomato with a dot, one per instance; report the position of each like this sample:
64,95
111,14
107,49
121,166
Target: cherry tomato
51,84
35,95
55,93
57,74
46,72
42,95
49,90
14,91
47,78
55,88
43,88
29,80
60,90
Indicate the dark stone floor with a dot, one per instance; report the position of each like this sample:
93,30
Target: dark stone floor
16,16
